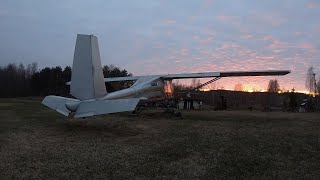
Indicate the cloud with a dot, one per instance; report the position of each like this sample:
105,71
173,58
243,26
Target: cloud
247,36
169,22
206,41
298,33
278,44
184,52
312,5
273,20
305,46
232,20
265,57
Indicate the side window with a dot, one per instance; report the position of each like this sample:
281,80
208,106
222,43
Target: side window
154,84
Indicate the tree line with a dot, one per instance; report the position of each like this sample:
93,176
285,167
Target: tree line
19,81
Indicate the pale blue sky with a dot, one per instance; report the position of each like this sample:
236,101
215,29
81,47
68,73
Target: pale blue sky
169,36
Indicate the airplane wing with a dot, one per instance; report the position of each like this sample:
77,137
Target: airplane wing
205,75
226,74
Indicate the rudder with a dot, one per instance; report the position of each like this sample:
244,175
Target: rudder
87,80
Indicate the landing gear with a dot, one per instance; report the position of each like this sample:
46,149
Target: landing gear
170,110
167,106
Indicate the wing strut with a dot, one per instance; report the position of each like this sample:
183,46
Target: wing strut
202,85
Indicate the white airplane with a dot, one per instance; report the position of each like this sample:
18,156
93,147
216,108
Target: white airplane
88,85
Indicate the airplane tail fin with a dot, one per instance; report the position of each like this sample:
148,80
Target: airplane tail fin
87,85
87,80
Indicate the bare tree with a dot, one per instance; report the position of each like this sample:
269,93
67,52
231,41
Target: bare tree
221,88
310,80
238,87
318,85
177,86
195,83
273,86
34,67
21,71
212,86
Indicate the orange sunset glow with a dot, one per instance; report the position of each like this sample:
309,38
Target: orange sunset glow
196,36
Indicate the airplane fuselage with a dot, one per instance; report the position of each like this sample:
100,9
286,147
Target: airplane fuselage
150,89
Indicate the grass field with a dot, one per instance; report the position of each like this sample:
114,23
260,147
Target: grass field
36,142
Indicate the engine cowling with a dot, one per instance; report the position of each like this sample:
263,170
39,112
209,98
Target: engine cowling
168,88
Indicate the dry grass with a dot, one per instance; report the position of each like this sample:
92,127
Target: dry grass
38,143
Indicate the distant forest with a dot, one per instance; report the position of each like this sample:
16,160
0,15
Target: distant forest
20,80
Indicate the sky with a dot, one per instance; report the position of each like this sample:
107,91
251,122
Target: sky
170,36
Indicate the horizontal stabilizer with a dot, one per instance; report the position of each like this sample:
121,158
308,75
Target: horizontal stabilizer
58,103
98,107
